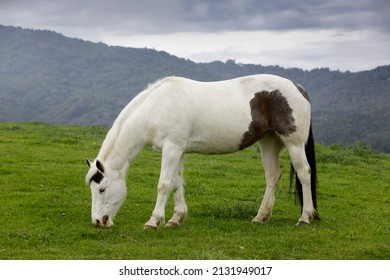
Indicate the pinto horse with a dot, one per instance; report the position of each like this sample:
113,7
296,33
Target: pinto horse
177,115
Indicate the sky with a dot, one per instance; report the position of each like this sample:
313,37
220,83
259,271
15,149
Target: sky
343,35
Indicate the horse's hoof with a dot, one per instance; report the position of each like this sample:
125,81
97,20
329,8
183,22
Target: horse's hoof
150,228
302,223
172,225
260,220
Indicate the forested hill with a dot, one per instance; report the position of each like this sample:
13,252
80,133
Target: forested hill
47,77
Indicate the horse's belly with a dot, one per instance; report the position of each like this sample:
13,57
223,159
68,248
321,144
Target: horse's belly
219,146
218,137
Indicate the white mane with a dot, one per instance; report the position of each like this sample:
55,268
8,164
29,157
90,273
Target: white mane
113,133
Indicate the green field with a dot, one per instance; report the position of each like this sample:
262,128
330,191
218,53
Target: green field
45,204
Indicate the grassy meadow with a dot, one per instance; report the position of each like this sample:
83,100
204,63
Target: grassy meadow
45,204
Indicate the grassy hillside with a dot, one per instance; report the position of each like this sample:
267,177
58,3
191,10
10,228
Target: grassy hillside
45,205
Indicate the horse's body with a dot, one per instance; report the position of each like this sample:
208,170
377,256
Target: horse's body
178,115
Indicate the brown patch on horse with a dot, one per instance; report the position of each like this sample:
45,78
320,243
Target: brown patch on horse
302,91
270,111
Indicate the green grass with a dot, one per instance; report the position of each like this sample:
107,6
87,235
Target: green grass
45,205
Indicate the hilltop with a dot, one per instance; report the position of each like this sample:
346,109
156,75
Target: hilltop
45,76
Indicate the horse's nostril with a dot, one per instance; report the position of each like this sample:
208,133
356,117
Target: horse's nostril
105,219
97,222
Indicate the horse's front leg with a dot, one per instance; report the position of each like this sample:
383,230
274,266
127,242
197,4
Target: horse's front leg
170,179
180,211
158,215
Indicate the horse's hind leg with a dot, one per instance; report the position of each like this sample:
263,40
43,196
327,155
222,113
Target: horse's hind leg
270,149
301,166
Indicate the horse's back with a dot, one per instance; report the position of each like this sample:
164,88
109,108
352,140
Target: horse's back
240,87
214,117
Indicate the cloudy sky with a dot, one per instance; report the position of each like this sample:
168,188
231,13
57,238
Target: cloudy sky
340,34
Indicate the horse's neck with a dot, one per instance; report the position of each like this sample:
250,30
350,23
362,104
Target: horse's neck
120,148
124,140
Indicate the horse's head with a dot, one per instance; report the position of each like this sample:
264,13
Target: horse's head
108,189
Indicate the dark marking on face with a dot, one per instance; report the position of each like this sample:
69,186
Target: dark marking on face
302,91
270,111
97,177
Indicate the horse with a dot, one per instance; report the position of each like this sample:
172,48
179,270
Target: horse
176,115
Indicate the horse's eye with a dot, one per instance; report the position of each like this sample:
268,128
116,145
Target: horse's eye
102,190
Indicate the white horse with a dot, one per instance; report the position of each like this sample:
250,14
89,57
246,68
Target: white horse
178,115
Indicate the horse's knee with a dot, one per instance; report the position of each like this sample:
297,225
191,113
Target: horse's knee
163,188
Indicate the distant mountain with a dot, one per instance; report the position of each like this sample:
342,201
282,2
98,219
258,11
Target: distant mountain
45,76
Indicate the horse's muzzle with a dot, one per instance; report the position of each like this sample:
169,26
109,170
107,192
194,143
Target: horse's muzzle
105,222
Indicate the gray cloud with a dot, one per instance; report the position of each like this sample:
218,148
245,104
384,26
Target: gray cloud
154,23
156,17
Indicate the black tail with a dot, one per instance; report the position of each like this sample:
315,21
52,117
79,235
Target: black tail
311,158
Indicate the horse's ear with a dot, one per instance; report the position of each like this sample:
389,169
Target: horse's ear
99,166
88,162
